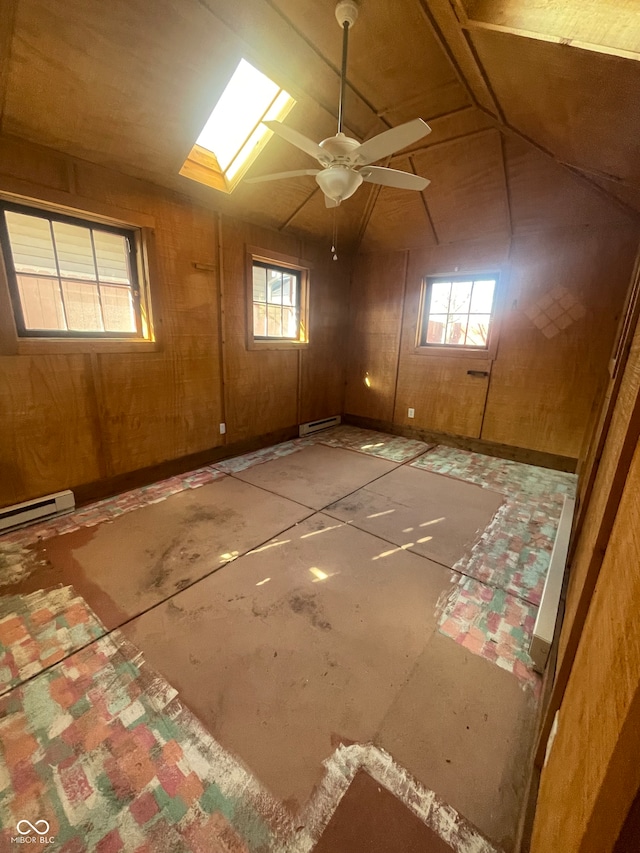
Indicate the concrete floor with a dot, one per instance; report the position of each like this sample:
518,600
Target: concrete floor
294,605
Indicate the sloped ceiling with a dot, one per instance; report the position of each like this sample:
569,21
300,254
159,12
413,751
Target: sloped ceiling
516,92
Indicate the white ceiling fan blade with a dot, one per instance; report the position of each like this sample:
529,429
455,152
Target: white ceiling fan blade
276,176
302,142
391,141
393,178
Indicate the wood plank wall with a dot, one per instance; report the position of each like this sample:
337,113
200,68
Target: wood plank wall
593,775
559,239
70,418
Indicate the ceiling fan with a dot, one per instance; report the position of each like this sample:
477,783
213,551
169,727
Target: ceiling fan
345,161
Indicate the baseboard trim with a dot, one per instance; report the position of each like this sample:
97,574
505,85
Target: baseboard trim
99,489
476,445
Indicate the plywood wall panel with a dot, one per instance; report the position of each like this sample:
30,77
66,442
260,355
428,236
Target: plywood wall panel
445,397
261,386
593,758
75,419
587,551
375,319
48,429
547,372
322,364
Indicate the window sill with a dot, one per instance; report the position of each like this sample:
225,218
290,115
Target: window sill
55,346
277,345
456,352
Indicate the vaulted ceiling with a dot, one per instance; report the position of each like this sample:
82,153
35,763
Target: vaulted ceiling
520,94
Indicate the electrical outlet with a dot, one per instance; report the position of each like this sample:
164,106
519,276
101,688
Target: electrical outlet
411,413
223,429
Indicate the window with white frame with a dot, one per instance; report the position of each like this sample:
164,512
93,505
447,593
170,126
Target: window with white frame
70,277
458,311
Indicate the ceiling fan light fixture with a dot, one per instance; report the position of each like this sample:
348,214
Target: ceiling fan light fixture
338,182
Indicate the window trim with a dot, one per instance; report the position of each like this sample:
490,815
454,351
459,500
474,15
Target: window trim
58,205
460,350
275,259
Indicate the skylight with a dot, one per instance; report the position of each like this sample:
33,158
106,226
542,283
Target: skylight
234,134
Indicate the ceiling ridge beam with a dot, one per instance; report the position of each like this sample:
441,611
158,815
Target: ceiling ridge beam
463,19
449,53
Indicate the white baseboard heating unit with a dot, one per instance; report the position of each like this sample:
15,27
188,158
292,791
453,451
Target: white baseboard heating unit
545,625
36,510
315,426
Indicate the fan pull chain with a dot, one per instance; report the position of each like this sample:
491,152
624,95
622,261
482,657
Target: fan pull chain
334,249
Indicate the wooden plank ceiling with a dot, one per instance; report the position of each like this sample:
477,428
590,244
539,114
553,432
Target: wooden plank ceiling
129,86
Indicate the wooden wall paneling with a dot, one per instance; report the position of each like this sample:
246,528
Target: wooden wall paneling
322,364
619,431
445,397
569,108
466,197
34,163
261,385
593,775
47,439
545,195
399,219
545,376
623,433
375,318
161,406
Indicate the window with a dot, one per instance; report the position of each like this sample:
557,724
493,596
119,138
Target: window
457,311
70,278
277,302
234,134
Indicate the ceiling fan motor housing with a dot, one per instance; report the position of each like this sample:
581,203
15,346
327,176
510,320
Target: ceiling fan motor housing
347,12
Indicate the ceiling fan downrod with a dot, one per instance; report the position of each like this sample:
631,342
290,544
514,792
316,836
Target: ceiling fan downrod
346,15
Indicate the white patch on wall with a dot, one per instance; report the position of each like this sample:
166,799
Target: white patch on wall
555,311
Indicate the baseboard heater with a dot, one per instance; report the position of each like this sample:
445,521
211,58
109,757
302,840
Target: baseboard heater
545,624
36,510
316,426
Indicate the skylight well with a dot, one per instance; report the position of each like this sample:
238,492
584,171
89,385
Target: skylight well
234,134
